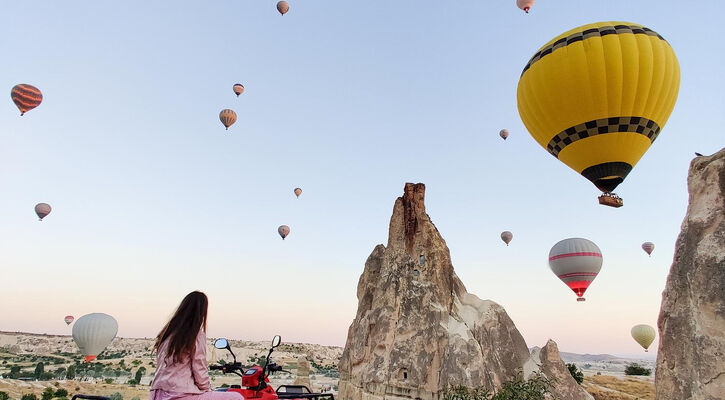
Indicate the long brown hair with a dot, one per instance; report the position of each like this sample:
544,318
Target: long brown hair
183,327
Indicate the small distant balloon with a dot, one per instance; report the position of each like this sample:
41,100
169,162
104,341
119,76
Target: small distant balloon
42,209
644,335
525,4
68,319
283,7
504,134
648,247
26,97
283,231
506,236
298,192
228,117
238,89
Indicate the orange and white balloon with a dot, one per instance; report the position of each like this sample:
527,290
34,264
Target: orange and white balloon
228,117
576,261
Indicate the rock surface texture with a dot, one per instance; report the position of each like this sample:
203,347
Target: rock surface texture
417,329
548,361
691,355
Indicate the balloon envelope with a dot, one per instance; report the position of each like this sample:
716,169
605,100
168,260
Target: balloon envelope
298,192
648,247
68,319
26,97
238,89
596,97
228,117
283,7
93,332
576,261
42,209
525,4
504,133
283,231
506,236
644,335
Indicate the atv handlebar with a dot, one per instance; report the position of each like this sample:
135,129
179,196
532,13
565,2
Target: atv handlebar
226,367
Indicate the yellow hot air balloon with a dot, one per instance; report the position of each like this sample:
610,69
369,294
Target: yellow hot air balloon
644,335
597,96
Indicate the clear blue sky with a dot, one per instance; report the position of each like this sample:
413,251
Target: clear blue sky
348,100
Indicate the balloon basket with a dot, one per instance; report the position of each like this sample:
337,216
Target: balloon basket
611,200
581,299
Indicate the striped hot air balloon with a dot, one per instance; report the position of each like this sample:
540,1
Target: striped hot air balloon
283,231
283,7
93,332
42,210
648,247
68,319
228,117
576,262
238,89
596,98
26,97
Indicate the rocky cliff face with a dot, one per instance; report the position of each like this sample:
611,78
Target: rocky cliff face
417,329
691,356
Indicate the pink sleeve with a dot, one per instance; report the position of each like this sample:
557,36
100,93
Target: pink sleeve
198,363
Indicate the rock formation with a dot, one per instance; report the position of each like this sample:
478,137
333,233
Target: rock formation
548,361
417,329
303,374
691,355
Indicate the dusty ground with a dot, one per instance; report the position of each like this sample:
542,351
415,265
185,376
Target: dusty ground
604,387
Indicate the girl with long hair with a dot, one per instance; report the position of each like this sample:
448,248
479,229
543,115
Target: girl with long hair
181,369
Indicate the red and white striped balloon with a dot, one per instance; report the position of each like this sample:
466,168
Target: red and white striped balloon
576,262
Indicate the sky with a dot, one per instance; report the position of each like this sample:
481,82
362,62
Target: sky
152,198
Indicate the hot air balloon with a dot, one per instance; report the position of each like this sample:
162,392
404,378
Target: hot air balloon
298,192
648,247
644,335
283,7
506,236
42,209
93,332
283,231
238,89
68,319
228,117
576,262
504,134
596,97
26,97
525,4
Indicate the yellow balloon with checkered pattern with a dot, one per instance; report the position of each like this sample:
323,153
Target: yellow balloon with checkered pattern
597,96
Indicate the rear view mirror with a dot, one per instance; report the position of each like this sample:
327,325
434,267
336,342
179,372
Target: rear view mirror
276,341
221,343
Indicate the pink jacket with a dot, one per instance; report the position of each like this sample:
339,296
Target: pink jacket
189,376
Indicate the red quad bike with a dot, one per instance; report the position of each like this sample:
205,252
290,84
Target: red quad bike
255,380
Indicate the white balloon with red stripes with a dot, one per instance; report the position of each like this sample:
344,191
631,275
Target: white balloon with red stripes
576,261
